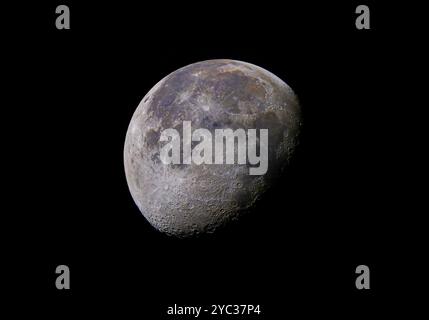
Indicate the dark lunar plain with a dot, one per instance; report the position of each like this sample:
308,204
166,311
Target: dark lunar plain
341,204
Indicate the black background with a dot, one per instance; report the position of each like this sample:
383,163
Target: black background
340,205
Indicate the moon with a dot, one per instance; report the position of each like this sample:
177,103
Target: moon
186,200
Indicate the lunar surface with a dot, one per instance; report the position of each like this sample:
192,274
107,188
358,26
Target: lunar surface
185,200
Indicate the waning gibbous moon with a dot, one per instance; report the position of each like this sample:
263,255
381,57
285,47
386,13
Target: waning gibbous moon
184,200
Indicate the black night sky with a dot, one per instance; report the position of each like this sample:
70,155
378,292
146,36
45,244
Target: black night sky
341,205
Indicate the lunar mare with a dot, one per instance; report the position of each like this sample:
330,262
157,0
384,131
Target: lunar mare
184,200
